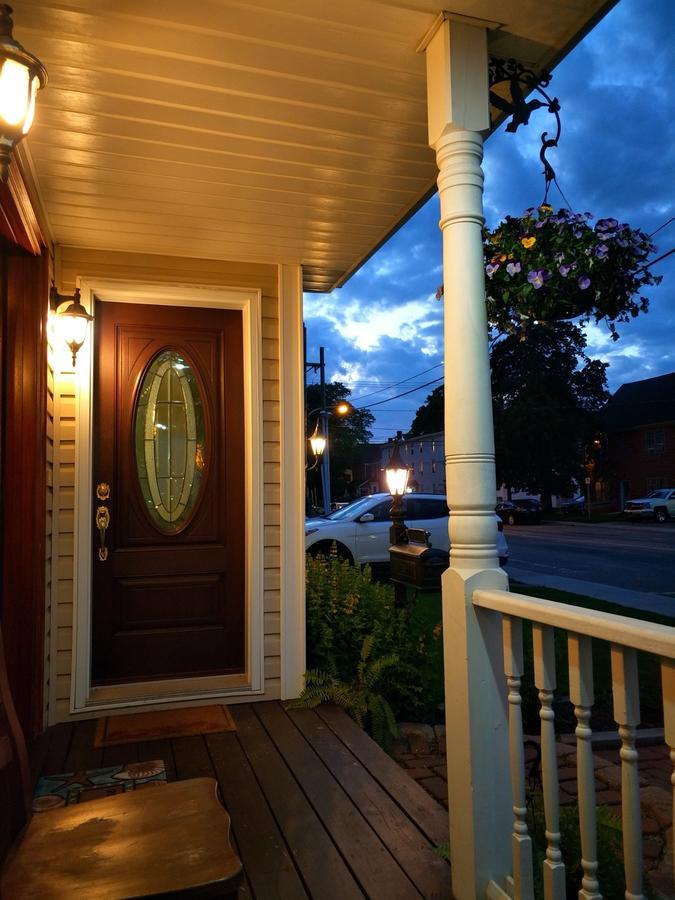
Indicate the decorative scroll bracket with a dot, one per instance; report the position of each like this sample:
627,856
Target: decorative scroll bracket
523,81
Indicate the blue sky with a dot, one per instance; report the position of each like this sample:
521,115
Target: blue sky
616,158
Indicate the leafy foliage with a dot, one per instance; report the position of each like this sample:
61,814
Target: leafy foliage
429,416
546,393
545,267
361,696
364,652
609,848
347,435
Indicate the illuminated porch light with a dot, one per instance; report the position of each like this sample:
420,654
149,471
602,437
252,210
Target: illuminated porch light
72,321
21,77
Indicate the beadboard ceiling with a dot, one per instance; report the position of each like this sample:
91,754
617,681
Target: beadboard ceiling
274,131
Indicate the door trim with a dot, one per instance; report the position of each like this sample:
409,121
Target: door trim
84,697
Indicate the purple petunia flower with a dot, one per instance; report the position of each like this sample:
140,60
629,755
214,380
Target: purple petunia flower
601,251
583,282
577,233
491,268
566,268
537,277
541,222
513,267
606,225
622,242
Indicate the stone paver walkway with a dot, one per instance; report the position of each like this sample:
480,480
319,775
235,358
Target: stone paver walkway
421,751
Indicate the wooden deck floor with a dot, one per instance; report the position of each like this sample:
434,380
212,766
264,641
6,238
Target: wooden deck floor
318,809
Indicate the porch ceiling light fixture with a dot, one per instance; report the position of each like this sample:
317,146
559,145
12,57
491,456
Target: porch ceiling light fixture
72,320
21,77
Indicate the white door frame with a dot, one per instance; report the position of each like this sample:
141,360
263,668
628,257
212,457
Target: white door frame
84,697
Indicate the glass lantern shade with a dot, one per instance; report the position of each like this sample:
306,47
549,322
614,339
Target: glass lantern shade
72,324
397,474
21,77
317,442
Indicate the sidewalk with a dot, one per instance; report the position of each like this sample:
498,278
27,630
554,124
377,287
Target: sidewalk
421,752
655,603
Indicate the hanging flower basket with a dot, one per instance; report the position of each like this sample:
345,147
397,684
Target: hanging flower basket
547,266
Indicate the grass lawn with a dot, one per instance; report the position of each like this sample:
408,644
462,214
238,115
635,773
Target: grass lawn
428,614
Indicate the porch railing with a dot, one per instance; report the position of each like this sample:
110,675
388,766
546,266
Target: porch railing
626,636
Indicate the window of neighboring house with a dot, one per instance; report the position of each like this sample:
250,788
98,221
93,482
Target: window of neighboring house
412,449
433,466
653,484
421,447
421,468
656,441
433,446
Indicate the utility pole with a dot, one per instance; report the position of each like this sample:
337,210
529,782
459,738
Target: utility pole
323,418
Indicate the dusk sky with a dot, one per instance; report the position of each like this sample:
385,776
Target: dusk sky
616,158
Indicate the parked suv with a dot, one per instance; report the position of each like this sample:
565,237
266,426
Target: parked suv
659,505
361,529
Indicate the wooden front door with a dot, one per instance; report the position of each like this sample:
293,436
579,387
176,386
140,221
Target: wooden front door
168,556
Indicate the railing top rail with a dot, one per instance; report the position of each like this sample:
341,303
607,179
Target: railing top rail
648,636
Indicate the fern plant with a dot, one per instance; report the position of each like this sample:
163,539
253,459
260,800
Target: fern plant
360,697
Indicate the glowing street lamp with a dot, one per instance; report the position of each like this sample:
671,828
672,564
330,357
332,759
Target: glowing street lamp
21,77
397,474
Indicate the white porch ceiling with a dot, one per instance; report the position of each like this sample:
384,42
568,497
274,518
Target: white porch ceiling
273,131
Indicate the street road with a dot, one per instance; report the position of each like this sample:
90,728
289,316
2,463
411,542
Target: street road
639,556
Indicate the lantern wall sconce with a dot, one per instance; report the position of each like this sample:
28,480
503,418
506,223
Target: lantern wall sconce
21,77
72,321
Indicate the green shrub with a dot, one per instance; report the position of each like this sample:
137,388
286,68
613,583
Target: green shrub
348,613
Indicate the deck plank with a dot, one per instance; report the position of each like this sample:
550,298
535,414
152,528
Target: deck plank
369,859
428,815
60,737
82,754
323,870
267,861
412,850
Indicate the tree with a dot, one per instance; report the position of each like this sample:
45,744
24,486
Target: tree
346,436
429,417
546,394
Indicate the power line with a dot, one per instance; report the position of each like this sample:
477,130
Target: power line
404,394
396,383
671,219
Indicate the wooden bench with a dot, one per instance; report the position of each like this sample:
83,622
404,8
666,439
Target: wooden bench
137,844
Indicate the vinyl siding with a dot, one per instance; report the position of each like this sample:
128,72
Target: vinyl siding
73,263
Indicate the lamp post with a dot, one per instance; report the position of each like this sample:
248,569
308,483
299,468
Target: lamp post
397,474
320,446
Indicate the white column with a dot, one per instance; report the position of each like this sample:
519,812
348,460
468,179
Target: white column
475,695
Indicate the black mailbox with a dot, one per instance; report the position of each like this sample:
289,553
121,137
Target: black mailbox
416,564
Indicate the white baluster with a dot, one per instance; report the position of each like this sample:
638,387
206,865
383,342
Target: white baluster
668,683
580,652
545,682
627,716
521,843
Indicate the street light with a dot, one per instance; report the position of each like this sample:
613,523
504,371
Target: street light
319,443
397,474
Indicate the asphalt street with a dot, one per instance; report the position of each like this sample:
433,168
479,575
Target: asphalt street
634,556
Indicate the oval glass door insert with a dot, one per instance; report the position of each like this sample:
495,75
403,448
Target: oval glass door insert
169,437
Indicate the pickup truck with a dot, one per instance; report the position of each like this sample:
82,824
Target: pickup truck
659,506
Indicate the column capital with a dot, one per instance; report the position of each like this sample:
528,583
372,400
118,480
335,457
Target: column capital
457,80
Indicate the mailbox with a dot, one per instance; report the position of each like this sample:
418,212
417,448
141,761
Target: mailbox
416,564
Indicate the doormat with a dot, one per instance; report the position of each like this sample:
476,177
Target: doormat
53,791
165,723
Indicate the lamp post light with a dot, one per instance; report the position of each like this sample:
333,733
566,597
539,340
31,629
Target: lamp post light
21,77
397,474
320,446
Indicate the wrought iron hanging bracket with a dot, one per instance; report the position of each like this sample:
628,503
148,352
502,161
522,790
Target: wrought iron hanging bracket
522,81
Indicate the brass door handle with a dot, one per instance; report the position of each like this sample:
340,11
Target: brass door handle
102,523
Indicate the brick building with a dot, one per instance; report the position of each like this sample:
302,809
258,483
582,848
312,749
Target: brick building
639,421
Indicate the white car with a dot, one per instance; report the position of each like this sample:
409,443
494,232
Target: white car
361,529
